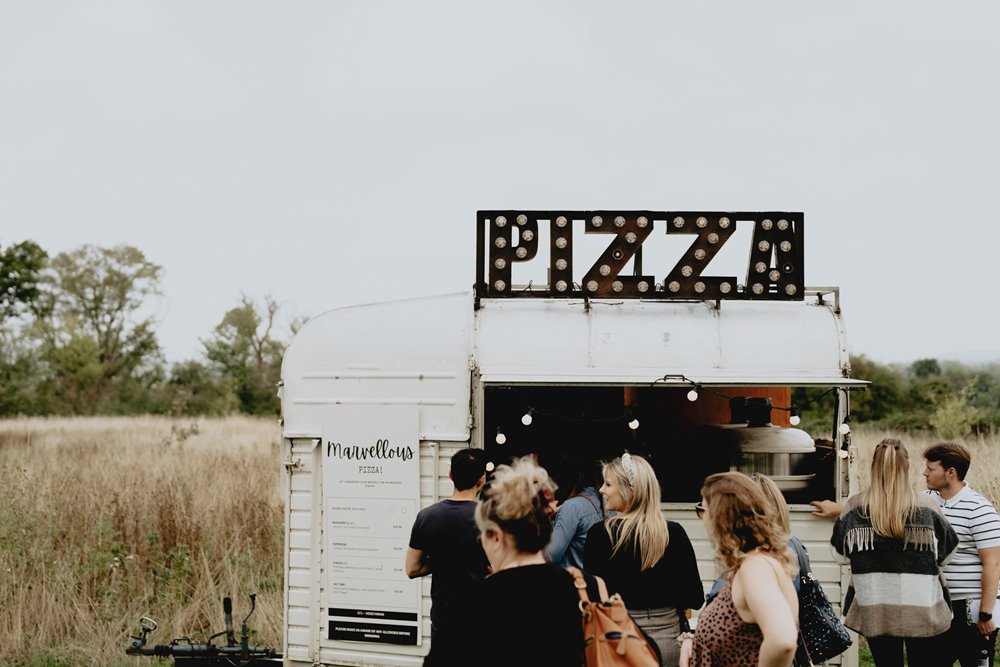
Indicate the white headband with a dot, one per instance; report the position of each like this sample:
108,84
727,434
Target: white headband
629,468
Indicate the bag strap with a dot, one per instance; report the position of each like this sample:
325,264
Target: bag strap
684,621
581,585
805,649
805,569
591,501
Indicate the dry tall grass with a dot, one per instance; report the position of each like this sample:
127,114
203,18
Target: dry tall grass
105,520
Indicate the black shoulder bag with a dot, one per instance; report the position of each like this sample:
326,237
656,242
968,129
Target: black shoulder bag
821,634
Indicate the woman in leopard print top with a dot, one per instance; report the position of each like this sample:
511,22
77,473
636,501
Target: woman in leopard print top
753,620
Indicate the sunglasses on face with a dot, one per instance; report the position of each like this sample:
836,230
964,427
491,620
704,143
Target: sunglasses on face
699,510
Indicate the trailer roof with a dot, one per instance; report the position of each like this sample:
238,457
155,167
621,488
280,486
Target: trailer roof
426,351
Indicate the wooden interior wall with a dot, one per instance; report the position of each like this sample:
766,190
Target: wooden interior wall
710,408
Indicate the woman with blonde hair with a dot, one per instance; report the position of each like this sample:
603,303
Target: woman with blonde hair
647,560
783,520
525,596
896,541
777,500
753,619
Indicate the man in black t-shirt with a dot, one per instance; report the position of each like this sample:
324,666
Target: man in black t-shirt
444,542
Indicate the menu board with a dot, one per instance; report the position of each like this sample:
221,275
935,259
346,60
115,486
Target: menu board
371,495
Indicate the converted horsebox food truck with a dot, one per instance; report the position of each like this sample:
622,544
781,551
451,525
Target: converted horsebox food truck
694,371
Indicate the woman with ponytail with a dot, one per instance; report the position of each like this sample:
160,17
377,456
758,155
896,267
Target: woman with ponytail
647,560
526,598
896,541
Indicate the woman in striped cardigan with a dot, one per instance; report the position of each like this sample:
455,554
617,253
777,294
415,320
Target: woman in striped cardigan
896,541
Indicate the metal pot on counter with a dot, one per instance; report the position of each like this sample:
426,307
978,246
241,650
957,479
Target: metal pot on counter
775,451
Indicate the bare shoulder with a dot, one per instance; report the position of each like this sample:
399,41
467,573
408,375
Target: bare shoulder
759,581
757,565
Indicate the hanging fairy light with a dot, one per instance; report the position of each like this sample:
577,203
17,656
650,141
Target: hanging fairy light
633,421
693,394
528,417
501,438
845,426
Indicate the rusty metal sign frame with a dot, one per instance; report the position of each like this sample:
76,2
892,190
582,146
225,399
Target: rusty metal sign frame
774,272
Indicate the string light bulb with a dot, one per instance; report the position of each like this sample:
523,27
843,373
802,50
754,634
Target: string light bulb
845,426
794,419
633,422
693,394
490,466
527,418
501,438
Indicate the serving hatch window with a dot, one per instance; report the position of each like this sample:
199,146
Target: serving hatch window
685,440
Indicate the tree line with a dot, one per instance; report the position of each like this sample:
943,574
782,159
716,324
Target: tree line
947,397
77,338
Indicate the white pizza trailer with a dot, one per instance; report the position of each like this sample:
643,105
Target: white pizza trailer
377,397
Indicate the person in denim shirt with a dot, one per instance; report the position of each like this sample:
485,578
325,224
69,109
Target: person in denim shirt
582,508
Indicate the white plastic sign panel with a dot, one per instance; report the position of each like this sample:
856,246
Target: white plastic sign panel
371,494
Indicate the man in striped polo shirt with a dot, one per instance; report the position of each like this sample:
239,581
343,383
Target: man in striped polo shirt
973,574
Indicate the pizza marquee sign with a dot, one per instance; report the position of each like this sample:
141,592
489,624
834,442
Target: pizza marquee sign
774,271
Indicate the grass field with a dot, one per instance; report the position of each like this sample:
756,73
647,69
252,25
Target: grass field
105,520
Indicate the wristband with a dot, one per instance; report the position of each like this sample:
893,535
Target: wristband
985,616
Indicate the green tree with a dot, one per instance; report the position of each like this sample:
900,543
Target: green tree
194,388
74,384
21,373
955,415
243,349
884,395
924,368
20,267
97,336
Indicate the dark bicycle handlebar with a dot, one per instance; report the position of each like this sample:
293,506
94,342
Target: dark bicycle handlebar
186,652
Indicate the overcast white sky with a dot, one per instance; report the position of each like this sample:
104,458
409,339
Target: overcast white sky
331,153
